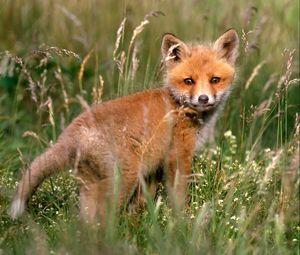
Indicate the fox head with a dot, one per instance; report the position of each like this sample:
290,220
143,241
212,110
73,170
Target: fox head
200,76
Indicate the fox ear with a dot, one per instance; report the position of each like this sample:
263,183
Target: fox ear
227,46
173,50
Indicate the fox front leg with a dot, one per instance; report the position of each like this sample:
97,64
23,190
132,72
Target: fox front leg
178,169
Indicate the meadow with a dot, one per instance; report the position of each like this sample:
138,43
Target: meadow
57,58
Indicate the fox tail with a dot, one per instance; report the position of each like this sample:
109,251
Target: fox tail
48,163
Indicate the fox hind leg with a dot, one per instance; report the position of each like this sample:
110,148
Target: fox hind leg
102,197
151,182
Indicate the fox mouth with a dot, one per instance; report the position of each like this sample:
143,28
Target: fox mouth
200,107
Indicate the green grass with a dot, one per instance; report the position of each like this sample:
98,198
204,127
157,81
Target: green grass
245,188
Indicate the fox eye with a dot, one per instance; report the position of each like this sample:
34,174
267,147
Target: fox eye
215,80
189,81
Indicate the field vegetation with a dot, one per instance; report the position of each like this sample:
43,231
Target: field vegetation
57,58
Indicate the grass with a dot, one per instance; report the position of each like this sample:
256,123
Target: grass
57,58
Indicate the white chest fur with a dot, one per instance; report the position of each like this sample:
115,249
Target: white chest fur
206,132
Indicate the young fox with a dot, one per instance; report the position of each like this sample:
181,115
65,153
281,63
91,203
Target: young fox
138,134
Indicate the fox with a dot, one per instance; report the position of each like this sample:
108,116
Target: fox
136,135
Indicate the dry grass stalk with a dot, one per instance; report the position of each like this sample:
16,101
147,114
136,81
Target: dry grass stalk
293,81
50,108
139,29
35,136
59,52
297,125
81,71
269,82
280,82
98,91
262,108
135,62
26,73
245,39
69,15
284,80
44,57
5,64
251,37
121,63
22,160
83,103
168,117
42,83
120,33
32,85
248,14
58,76
268,172
254,73
290,178
32,134
288,66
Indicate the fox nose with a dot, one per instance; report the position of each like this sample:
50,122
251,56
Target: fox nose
203,99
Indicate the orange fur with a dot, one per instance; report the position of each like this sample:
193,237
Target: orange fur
129,138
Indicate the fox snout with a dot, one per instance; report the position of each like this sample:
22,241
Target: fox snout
206,100
203,102
203,99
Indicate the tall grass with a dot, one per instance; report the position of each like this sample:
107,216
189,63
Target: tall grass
58,58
